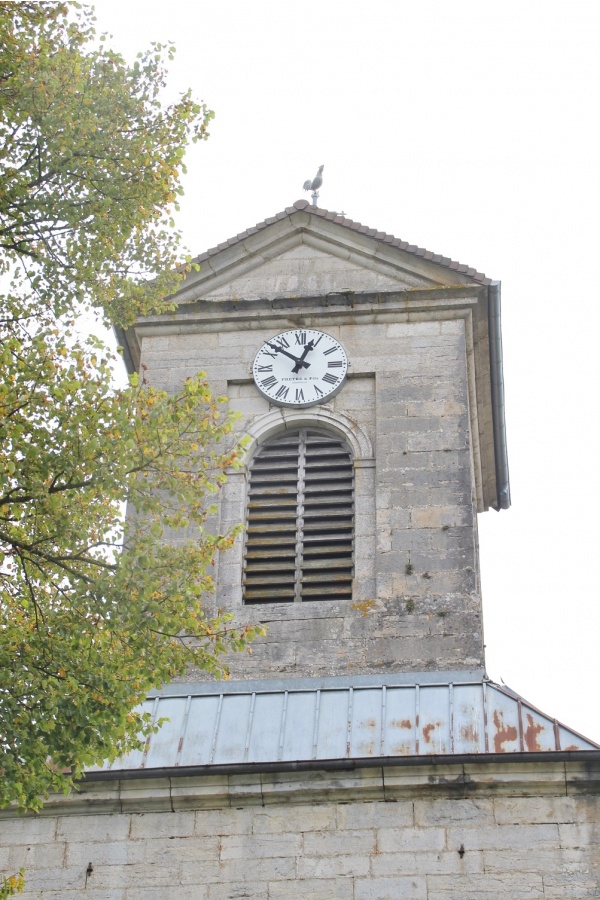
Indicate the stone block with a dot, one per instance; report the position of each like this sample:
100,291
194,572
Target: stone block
401,781
435,440
338,866
413,329
168,851
454,538
544,860
583,779
157,825
242,846
444,812
583,886
512,810
415,840
409,888
339,842
313,889
436,517
224,821
296,818
351,816
49,855
254,869
436,408
522,837
580,834
194,892
485,887
56,879
516,779
317,787
426,863
27,829
138,875
237,891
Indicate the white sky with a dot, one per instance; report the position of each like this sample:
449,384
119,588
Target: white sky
468,128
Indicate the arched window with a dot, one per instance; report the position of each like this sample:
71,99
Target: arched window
300,522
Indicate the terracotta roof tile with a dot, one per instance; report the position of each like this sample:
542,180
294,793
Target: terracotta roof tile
353,226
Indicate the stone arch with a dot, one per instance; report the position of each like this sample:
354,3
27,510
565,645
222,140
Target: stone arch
267,425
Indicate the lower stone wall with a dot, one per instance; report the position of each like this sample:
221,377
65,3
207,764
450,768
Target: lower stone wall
430,833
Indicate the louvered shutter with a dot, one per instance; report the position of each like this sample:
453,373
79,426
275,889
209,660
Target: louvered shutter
300,524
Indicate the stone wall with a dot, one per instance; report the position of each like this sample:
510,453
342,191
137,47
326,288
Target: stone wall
432,832
405,409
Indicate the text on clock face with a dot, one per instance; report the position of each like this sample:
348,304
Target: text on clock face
300,367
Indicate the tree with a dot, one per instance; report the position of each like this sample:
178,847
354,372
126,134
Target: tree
93,612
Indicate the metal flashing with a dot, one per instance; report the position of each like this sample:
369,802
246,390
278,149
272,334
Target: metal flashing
498,412
297,725
330,682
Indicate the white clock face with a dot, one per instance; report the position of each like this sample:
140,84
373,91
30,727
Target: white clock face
300,367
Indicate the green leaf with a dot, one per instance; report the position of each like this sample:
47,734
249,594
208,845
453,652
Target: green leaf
92,607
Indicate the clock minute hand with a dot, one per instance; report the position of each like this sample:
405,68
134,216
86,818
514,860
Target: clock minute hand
310,346
279,349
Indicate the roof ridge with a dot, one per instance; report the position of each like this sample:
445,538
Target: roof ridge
301,205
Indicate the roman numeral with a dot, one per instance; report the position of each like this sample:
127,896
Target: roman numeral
330,379
272,355
335,364
299,395
331,350
282,392
265,368
269,382
282,342
300,337
318,391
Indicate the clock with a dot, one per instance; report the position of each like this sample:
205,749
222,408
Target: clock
300,368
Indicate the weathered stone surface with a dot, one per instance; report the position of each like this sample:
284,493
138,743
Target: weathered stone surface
407,395
322,835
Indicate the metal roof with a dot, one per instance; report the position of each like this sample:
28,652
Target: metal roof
301,723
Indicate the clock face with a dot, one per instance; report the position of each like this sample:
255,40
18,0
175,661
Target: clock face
300,368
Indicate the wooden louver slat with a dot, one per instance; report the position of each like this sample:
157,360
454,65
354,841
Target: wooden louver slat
300,525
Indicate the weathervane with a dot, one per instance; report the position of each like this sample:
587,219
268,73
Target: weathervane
314,185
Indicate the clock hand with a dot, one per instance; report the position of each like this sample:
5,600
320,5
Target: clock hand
310,346
278,349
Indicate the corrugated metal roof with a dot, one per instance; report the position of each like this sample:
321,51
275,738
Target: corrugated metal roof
385,720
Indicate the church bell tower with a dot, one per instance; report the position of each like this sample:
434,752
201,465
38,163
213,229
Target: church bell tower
367,373
360,752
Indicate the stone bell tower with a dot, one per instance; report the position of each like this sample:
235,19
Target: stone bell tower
419,414
360,752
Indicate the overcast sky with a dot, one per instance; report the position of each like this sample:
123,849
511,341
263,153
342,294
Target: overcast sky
470,129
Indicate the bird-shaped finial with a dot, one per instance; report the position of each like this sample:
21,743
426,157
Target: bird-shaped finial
314,185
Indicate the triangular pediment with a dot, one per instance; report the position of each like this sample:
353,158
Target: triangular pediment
307,252
306,270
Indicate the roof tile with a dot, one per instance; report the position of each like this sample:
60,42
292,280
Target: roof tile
353,226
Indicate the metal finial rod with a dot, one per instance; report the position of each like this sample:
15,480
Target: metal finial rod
314,185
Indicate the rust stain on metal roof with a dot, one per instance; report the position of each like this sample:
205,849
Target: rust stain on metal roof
427,729
531,733
503,734
401,723
469,733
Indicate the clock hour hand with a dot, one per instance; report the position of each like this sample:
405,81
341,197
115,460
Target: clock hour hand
310,346
299,362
